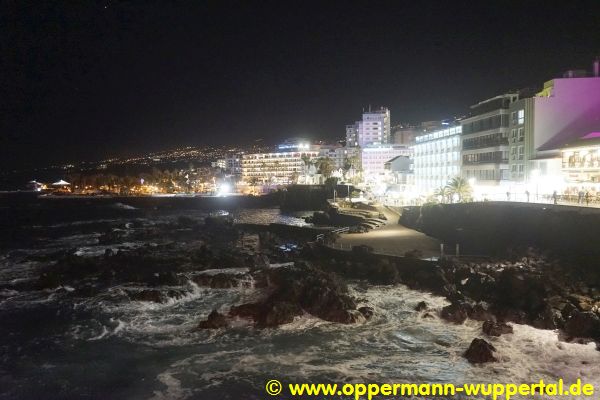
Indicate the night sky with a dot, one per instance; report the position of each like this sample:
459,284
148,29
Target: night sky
112,78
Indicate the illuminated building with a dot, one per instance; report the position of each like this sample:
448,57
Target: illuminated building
374,158
279,168
352,135
580,160
373,129
485,146
401,170
437,158
567,114
233,164
220,163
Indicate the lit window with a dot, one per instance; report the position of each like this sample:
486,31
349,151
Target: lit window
521,119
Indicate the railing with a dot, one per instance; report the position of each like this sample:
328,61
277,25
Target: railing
321,237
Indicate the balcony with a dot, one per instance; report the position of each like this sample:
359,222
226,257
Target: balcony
473,144
496,159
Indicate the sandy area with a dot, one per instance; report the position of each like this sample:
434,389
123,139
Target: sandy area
392,238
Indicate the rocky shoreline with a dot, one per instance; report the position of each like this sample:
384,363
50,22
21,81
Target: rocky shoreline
297,277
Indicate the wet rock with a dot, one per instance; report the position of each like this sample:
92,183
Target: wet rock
549,318
383,273
215,320
278,313
321,218
520,290
481,312
164,278
455,312
583,325
367,312
267,314
248,310
480,351
568,310
259,261
583,303
319,293
428,315
353,317
478,285
512,315
298,288
219,280
421,306
151,295
492,328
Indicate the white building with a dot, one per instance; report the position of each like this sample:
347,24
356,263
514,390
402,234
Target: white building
437,158
373,130
374,158
279,168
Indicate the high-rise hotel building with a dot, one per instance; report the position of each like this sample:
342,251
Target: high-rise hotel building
373,130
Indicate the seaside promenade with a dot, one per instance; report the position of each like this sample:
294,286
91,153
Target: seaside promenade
391,238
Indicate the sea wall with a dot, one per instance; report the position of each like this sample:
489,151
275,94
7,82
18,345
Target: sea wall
494,227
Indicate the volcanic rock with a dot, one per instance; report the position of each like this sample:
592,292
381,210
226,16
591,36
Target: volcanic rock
583,325
480,351
481,312
215,320
366,311
492,328
455,312
152,295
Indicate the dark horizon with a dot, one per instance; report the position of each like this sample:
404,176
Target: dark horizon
111,79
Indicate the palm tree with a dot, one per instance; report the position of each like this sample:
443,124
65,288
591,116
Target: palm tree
443,192
460,187
306,159
325,165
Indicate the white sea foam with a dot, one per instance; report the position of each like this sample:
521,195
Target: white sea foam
123,206
173,391
396,345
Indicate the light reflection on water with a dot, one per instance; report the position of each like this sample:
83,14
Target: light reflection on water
266,216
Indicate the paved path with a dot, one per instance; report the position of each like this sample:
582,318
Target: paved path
392,238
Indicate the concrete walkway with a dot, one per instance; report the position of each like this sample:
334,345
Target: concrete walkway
391,238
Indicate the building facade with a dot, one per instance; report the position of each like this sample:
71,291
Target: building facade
520,140
485,145
373,130
566,114
279,168
437,158
374,158
352,135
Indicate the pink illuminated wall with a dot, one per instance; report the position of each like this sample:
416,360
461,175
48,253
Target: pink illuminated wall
570,113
